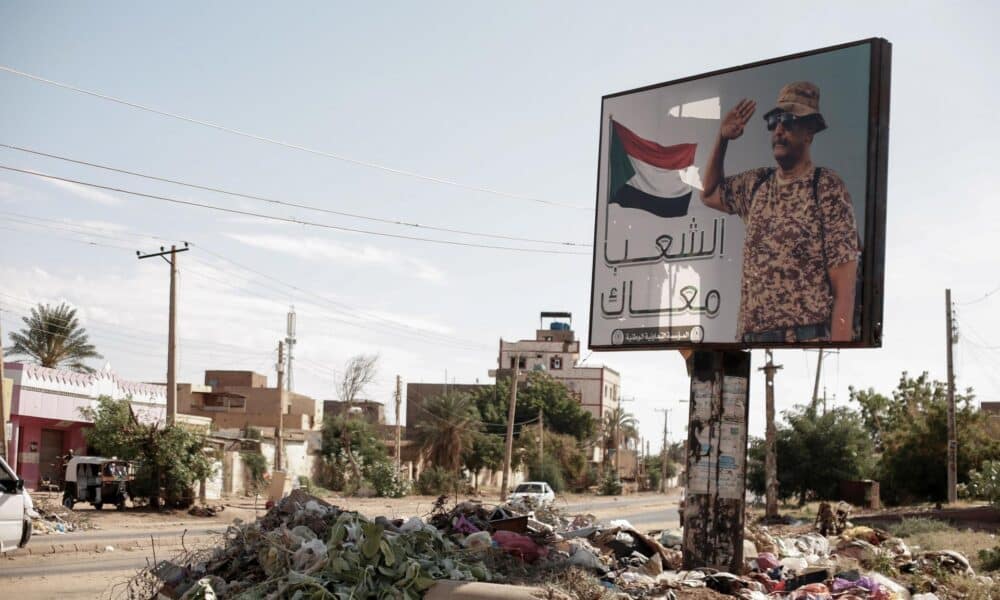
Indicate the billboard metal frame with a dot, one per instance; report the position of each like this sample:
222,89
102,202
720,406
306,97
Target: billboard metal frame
873,260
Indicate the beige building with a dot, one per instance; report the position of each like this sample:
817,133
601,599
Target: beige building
237,399
556,351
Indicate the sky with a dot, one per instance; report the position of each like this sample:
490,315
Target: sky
458,115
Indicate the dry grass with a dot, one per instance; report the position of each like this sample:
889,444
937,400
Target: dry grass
967,542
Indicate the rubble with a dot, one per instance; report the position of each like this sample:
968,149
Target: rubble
52,518
204,510
306,548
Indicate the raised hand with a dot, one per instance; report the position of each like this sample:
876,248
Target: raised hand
736,119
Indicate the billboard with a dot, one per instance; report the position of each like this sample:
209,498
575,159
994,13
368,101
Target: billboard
745,208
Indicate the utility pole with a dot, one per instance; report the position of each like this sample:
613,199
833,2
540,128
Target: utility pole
399,400
509,448
771,456
952,441
3,401
171,327
278,432
819,369
290,341
663,450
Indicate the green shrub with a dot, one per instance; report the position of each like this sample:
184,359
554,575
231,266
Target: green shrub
984,484
435,481
386,481
990,557
910,527
548,471
256,467
610,485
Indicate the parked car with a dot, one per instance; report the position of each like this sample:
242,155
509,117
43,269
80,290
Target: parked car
16,510
533,494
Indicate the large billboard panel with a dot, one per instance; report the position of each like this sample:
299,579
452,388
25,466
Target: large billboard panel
745,208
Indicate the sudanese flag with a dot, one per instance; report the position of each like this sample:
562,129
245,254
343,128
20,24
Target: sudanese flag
646,175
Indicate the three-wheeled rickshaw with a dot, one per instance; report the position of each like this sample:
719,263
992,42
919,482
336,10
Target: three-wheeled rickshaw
98,481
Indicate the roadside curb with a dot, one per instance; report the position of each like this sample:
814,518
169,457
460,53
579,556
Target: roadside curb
48,549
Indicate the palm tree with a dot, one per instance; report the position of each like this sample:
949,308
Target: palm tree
619,423
54,338
447,429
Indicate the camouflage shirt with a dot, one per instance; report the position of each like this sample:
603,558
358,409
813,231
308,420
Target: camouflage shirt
785,281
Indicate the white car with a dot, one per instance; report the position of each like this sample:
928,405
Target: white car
533,494
16,510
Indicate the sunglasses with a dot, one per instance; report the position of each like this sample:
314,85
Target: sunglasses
784,118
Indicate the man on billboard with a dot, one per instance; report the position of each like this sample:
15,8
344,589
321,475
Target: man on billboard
800,254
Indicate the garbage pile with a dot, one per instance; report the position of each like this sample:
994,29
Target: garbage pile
206,510
51,518
306,548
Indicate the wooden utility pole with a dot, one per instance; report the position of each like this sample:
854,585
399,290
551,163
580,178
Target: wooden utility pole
541,435
509,448
3,403
952,441
399,400
278,432
171,327
771,456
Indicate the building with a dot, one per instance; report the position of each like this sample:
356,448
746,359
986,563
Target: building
240,399
46,413
556,351
371,411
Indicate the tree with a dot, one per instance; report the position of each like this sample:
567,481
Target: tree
815,452
53,338
170,458
447,429
619,425
349,443
486,453
359,373
563,413
911,430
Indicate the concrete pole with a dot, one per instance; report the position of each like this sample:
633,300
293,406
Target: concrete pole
399,400
541,435
770,435
509,448
819,369
952,440
172,342
663,451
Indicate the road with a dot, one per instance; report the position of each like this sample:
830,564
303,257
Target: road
76,576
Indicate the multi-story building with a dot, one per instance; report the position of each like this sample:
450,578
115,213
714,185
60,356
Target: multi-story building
238,399
556,351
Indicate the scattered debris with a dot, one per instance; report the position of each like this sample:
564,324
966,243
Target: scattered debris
53,518
204,510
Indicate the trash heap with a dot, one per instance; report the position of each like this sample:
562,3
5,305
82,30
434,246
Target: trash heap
52,518
306,548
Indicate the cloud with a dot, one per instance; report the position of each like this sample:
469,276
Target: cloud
319,249
91,194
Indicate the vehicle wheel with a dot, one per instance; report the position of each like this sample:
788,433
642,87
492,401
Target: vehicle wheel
99,506
120,505
68,502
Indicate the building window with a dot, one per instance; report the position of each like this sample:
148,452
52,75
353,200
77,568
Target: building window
555,362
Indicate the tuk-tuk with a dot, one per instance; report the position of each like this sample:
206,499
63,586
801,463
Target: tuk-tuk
98,481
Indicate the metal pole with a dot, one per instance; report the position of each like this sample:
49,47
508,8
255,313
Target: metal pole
279,433
952,441
509,448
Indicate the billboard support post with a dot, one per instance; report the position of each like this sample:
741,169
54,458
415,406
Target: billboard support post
716,460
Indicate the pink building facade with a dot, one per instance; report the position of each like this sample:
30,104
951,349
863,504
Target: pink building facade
46,414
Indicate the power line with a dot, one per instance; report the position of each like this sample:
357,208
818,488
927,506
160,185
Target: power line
293,204
268,140
285,219
980,299
364,321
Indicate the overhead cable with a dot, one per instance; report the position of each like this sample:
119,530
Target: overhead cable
261,138
285,219
289,203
